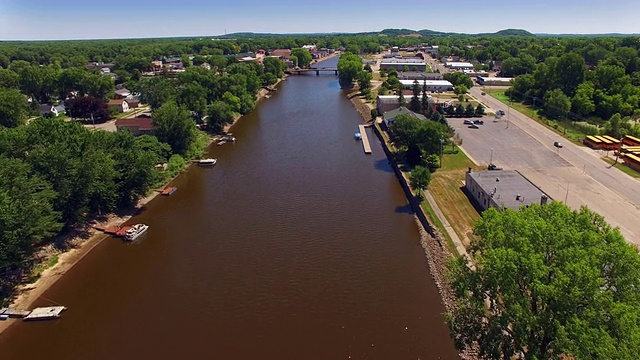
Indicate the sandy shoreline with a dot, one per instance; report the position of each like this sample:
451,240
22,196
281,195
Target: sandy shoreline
80,246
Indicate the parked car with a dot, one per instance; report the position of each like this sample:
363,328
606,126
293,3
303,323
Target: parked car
473,126
468,122
478,122
557,144
500,112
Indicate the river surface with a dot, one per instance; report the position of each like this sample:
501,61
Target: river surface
296,245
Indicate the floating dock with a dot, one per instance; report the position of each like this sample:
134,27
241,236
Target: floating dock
115,231
15,313
365,139
168,191
45,313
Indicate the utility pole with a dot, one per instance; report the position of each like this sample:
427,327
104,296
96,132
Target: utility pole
441,151
567,195
491,157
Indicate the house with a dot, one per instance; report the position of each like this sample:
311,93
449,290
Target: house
389,116
123,93
121,104
283,54
206,66
385,103
502,189
137,126
52,110
310,48
156,65
133,103
99,65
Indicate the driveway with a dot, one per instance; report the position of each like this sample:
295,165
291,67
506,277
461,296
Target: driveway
574,173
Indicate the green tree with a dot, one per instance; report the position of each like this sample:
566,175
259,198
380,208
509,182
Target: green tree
424,100
13,108
469,111
349,69
460,90
220,114
548,282
479,110
420,177
460,110
274,66
174,126
193,97
556,104
364,82
303,55
157,90
400,94
582,102
414,104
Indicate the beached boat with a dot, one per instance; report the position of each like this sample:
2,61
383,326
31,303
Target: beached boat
207,162
135,231
358,136
228,138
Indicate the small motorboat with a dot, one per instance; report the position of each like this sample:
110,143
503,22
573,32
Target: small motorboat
207,162
358,136
135,231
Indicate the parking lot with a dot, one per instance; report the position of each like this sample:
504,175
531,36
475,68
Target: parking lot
510,147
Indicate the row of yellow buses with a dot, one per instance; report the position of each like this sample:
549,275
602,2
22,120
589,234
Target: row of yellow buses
604,142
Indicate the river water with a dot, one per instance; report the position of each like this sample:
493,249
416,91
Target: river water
296,245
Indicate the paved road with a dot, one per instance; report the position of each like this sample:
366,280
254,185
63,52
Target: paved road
573,172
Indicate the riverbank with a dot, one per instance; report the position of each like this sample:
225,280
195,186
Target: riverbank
432,242
79,242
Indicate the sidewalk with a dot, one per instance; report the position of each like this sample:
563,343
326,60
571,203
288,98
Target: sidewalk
460,249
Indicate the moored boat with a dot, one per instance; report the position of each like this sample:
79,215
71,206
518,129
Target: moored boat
358,136
135,231
207,162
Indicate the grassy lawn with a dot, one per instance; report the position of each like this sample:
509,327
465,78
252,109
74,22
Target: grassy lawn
445,187
561,127
624,168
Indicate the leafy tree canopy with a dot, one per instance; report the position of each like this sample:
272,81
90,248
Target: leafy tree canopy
548,281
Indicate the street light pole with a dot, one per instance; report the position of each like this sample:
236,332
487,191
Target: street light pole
441,150
491,157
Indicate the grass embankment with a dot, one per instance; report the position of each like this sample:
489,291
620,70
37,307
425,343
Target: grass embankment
446,187
566,128
624,168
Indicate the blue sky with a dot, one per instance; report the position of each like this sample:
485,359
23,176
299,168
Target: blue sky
87,19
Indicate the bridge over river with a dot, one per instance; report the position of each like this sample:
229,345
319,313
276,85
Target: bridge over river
317,70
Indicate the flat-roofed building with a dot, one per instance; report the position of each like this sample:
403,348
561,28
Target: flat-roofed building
413,75
456,65
503,189
432,85
409,64
494,81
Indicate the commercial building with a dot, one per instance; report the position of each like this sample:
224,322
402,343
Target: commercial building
502,189
432,85
493,81
409,64
413,75
455,65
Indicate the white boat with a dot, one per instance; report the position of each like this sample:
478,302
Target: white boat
358,136
228,138
207,162
135,231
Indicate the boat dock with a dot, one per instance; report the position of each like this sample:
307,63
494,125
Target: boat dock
40,313
115,231
168,191
365,139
